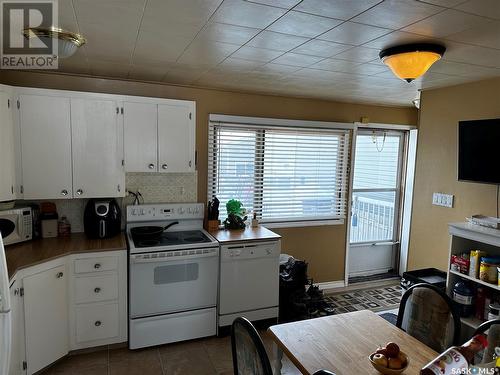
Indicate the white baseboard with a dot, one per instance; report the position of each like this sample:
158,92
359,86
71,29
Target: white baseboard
330,285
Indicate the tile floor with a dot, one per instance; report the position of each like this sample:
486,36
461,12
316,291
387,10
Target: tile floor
210,356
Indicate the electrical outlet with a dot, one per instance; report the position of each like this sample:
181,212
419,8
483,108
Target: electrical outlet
442,199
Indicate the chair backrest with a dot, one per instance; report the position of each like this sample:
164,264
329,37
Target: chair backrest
493,328
249,353
428,314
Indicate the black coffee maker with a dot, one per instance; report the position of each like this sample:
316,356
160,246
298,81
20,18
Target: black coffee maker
102,218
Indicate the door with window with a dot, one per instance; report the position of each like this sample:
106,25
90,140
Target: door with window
375,205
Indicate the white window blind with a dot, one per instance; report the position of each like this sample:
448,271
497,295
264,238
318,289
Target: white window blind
280,173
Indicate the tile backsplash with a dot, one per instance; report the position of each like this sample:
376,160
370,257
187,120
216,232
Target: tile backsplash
154,187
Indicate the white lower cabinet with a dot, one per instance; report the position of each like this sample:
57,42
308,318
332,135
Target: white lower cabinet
46,317
18,348
73,302
98,308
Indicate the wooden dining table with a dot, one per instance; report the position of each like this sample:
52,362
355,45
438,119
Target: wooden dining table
342,343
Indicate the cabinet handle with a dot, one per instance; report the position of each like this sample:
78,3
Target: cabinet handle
97,323
190,163
97,290
79,192
97,266
64,192
151,166
164,166
60,275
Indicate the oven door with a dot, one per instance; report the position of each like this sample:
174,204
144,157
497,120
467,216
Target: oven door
9,227
160,284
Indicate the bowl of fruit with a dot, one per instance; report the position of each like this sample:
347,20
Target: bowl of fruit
389,360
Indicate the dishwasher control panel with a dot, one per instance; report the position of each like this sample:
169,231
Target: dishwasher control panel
249,250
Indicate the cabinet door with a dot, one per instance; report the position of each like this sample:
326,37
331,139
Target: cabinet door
140,128
46,317
45,146
175,138
97,136
7,170
17,344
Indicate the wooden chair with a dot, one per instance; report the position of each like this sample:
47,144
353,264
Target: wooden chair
493,328
249,353
429,312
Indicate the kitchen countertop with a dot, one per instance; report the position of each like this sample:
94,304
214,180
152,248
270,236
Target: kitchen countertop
30,253
247,234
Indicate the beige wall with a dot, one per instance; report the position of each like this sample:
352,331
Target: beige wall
436,169
323,247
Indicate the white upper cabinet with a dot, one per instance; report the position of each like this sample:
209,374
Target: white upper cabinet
141,148
159,136
176,137
97,143
45,146
7,167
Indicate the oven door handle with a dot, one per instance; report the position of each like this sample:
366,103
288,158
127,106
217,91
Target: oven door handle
140,259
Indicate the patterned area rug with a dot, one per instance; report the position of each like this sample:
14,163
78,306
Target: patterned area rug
375,299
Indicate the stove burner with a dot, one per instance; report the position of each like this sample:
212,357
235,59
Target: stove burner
173,239
148,243
194,239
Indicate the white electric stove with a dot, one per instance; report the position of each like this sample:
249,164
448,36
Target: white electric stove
173,278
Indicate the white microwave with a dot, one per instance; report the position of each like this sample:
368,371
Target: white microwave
16,225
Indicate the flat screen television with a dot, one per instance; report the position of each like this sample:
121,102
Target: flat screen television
479,151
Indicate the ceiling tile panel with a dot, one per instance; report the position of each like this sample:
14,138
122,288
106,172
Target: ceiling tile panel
302,24
241,65
397,37
296,59
485,8
335,65
152,47
395,14
207,52
461,69
224,33
147,73
470,54
277,68
256,54
321,48
113,13
340,9
485,35
286,4
109,69
244,13
444,3
359,54
276,41
354,33
445,23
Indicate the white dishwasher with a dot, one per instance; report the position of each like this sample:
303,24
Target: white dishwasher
249,281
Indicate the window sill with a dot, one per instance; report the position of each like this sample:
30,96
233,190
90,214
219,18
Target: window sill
300,224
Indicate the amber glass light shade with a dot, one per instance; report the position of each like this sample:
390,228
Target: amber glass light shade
411,61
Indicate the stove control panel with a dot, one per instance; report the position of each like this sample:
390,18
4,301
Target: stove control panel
151,212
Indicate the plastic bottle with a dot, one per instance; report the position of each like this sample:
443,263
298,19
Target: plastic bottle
63,227
456,359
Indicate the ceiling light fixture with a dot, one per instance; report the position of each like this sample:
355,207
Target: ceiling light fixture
410,61
68,42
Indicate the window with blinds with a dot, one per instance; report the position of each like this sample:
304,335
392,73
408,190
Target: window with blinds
280,173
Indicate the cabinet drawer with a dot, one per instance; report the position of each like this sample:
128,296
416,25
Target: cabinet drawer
99,264
97,322
96,288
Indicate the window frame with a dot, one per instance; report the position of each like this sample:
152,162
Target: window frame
402,135
217,122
